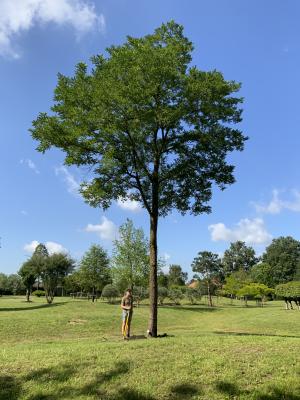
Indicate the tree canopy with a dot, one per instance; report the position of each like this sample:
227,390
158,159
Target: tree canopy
283,256
130,261
238,256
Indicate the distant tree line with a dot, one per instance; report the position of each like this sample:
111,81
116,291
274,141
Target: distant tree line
240,273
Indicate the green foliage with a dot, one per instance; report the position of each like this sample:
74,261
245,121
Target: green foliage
193,294
143,104
283,255
162,279
209,269
162,293
110,292
94,270
257,291
262,273
73,282
176,277
175,294
140,293
235,281
28,274
39,293
130,261
237,257
55,268
207,264
289,289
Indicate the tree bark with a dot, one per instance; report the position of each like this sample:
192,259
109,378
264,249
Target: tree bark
27,295
152,330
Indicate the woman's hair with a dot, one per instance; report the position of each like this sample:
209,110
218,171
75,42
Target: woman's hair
128,290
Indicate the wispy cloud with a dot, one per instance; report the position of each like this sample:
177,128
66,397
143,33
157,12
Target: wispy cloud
19,16
278,204
129,205
251,231
30,164
52,247
23,212
106,229
73,185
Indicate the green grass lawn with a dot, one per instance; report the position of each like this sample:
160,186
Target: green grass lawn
73,350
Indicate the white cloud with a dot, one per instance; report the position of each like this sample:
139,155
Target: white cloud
30,164
23,212
19,16
130,205
106,230
247,230
52,247
72,185
277,204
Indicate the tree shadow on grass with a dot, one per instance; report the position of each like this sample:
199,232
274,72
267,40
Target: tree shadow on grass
253,334
32,308
190,308
9,388
232,391
184,391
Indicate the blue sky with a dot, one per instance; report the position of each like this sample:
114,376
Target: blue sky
254,42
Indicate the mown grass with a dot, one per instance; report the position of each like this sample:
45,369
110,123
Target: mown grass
73,350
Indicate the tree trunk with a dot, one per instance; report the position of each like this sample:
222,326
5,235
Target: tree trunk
209,295
152,330
27,294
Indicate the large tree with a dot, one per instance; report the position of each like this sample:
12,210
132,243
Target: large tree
208,267
150,126
238,256
130,261
94,271
283,256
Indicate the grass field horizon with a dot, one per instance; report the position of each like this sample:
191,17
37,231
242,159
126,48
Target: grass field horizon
73,349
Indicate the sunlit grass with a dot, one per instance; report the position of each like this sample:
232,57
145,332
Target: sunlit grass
74,350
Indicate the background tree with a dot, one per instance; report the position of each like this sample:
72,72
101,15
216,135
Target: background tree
54,270
256,291
151,127
130,261
15,284
209,267
193,294
28,275
283,256
262,273
3,283
162,294
162,279
176,277
39,258
95,270
238,256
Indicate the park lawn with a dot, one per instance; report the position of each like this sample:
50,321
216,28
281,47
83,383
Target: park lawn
73,350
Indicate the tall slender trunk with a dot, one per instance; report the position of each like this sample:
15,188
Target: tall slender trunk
27,294
209,294
153,276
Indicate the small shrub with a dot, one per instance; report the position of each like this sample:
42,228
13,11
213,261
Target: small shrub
162,293
38,293
110,292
